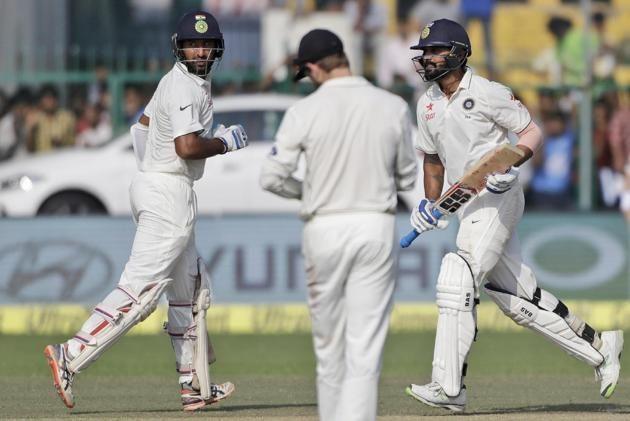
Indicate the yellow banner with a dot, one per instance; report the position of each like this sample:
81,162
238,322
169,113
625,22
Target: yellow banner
289,318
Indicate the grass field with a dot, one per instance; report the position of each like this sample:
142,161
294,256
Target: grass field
512,376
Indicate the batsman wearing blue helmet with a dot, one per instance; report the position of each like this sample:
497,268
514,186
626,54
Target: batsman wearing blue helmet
172,141
461,117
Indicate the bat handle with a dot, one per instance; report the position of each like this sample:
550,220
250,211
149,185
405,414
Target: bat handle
408,239
412,235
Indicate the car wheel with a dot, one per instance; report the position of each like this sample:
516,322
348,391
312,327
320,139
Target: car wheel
72,203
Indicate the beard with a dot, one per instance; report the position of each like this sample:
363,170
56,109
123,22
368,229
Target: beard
433,72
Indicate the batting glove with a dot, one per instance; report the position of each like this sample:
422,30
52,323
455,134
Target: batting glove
501,182
422,218
233,137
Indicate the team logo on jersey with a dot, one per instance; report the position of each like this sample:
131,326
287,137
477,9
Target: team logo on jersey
468,104
429,106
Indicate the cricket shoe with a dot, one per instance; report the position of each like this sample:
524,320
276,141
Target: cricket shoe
608,371
62,377
191,396
432,394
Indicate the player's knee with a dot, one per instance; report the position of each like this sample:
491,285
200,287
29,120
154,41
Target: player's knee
522,284
472,263
456,285
331,371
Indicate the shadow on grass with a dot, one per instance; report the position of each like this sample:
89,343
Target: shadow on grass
569,407
259,406
210,409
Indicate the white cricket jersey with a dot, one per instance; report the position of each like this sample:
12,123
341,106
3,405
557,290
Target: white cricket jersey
358,146
181,104
476,119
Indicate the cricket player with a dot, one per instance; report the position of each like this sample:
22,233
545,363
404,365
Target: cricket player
358,147
171,141
461,117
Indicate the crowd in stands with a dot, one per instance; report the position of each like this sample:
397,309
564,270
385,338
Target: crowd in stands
35,121
554,180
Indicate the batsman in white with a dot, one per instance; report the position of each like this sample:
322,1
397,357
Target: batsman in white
358,147
171,141
461,117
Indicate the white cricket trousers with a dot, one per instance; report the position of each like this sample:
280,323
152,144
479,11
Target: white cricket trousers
164,209
349,261
487,239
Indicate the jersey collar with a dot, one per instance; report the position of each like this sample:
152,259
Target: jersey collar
463,84
181,68
346,81
466,80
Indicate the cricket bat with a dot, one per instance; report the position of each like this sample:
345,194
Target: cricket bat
499,159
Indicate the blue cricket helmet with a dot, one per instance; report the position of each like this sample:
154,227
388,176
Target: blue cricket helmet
444,33
194,26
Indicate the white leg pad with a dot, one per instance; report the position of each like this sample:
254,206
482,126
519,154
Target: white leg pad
456,323
119,321
549,324
204,352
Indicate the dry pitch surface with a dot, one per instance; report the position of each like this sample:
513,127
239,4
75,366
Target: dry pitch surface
512,376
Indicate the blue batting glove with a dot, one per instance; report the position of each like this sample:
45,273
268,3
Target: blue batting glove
423,218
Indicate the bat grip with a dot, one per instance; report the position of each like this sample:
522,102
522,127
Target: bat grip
412,235
408,239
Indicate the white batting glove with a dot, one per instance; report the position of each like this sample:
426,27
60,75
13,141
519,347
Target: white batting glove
501,182
233,137
422,218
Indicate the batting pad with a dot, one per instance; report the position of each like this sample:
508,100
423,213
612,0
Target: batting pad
456,323
549,324
117,321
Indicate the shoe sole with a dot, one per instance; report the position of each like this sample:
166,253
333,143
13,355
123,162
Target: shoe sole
195,406
454,408
54,368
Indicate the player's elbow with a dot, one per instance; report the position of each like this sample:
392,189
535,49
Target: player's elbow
184,153
531,137
185,146
405,183
270,182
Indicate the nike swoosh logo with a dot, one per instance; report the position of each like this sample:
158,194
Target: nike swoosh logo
183,108
474,222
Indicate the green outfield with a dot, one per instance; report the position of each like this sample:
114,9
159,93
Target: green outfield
511,376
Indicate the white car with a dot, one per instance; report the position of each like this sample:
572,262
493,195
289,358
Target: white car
96,181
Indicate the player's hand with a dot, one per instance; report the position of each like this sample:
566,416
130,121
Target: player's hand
233,137
422,219
501,182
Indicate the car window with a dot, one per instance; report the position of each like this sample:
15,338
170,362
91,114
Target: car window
259,124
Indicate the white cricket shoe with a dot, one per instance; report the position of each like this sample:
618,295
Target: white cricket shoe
432,394
608,371
191,396
62,377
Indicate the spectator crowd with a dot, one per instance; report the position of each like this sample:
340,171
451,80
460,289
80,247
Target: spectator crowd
35,122
579,66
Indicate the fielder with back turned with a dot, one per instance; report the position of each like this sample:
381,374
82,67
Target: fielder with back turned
172,141
357,143
461,118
